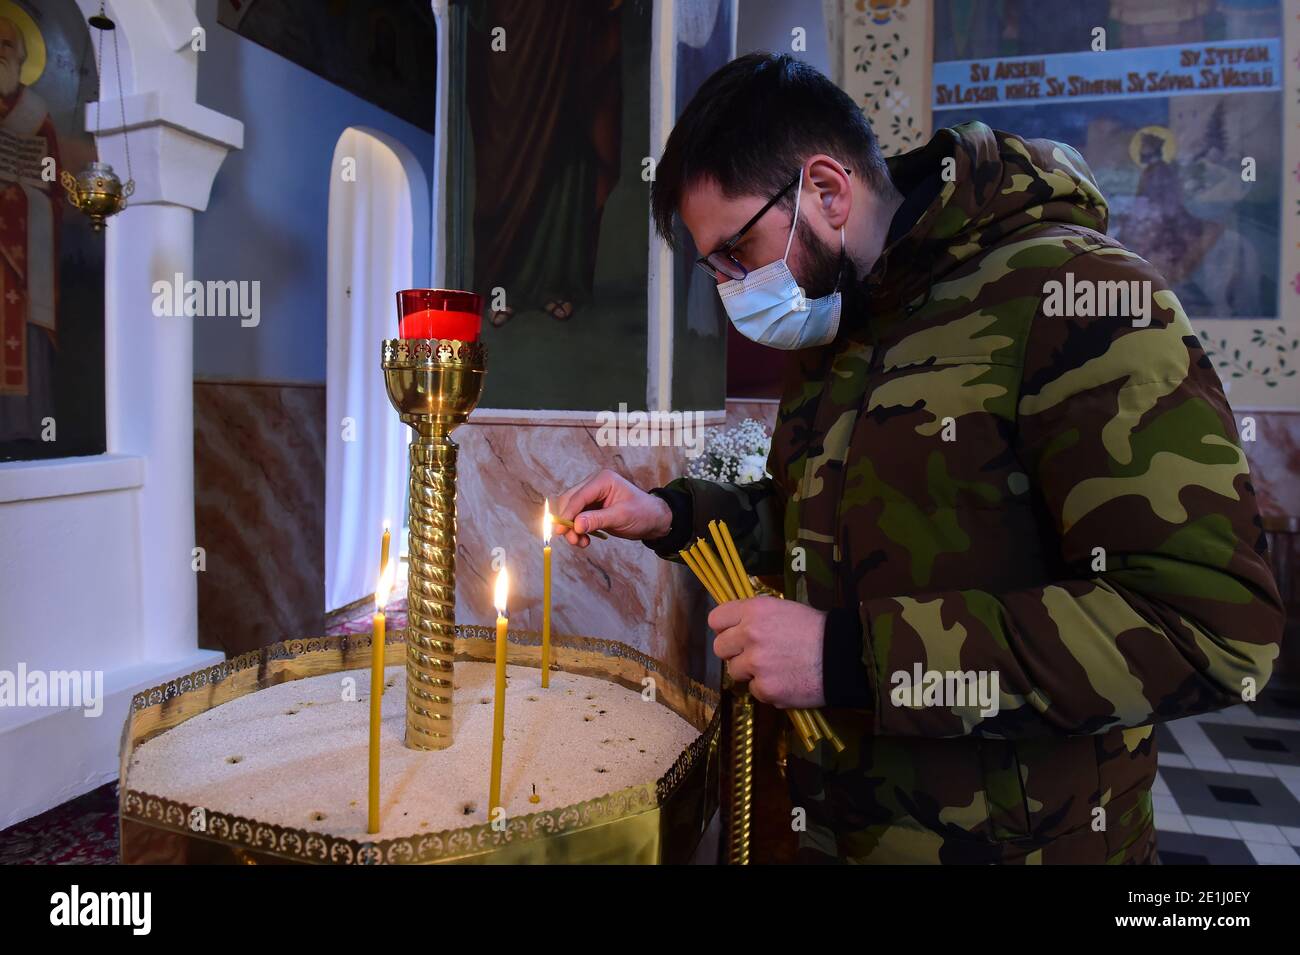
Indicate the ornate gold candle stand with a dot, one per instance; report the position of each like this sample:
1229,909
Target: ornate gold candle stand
434,384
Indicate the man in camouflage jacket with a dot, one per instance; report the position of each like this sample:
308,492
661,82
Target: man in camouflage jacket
985,476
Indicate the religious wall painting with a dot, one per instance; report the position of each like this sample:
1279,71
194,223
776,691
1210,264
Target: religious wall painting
51,264
708,355
546,200
1166,115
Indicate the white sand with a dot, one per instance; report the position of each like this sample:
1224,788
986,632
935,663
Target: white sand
296,754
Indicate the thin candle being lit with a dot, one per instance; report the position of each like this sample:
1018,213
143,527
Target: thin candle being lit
565,522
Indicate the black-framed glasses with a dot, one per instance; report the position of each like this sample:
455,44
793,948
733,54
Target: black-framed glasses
720,264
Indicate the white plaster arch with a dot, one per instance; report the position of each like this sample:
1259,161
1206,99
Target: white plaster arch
389,185
423,215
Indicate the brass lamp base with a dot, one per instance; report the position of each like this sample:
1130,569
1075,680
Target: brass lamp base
434,384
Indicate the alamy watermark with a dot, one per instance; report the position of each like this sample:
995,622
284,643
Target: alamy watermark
651,429
1087,298
130,909
212,299
83,689
945,688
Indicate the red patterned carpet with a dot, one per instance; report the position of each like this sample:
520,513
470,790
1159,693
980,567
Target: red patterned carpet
82,831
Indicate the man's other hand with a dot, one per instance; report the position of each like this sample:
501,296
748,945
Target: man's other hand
774,644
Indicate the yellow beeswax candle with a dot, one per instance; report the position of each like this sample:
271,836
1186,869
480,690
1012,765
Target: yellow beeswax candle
383,566
547,523
499,703
382,589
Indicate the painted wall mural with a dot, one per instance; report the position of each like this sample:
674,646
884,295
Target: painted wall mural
553,235
51,264
1181,98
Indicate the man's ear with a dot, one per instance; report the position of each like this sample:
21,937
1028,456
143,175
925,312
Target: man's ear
834,194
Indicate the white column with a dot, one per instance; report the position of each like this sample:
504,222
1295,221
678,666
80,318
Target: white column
150,400
177,147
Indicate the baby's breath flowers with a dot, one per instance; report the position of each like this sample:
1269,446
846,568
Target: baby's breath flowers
733,455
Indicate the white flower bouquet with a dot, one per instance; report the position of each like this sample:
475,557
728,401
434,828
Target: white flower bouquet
733,455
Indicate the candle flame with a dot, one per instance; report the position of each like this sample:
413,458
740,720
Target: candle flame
385,525
547,523
499,592
384,586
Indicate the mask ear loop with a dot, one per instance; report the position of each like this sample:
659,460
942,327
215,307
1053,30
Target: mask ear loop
839,279
800,303
795,221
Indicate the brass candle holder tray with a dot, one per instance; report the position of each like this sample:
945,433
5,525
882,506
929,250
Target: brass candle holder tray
659,821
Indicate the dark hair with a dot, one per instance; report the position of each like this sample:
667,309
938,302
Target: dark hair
752,124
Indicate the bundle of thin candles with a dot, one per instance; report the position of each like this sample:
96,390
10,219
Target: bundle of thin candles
724,577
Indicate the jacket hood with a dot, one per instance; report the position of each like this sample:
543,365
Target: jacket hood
1000,183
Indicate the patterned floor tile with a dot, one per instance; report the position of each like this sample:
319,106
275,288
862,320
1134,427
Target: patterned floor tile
1260,832
1248,767
1178,848
1233,796
1165,804
1254,743
1171,822
1166,743
1268,854
1211,826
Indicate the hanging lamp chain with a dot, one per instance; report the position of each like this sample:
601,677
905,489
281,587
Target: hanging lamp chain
103,24
97,191
99,87
121,101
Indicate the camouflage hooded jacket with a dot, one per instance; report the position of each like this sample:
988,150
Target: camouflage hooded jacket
998,489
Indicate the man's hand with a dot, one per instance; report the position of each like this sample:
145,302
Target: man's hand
774,644
622,509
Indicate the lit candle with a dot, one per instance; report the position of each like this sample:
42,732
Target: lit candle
499,707
546,596
382,589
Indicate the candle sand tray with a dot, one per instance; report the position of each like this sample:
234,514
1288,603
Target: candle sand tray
262,759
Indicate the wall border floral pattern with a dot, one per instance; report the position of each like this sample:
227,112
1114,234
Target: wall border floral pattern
887,69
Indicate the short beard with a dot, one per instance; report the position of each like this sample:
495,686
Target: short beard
820,264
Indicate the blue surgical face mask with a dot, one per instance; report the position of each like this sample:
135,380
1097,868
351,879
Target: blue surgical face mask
768,306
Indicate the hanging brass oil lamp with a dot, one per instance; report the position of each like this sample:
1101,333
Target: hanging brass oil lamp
96,191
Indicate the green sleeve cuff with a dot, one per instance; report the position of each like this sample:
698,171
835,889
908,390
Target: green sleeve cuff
679,534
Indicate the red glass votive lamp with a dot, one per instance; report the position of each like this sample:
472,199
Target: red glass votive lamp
439,313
